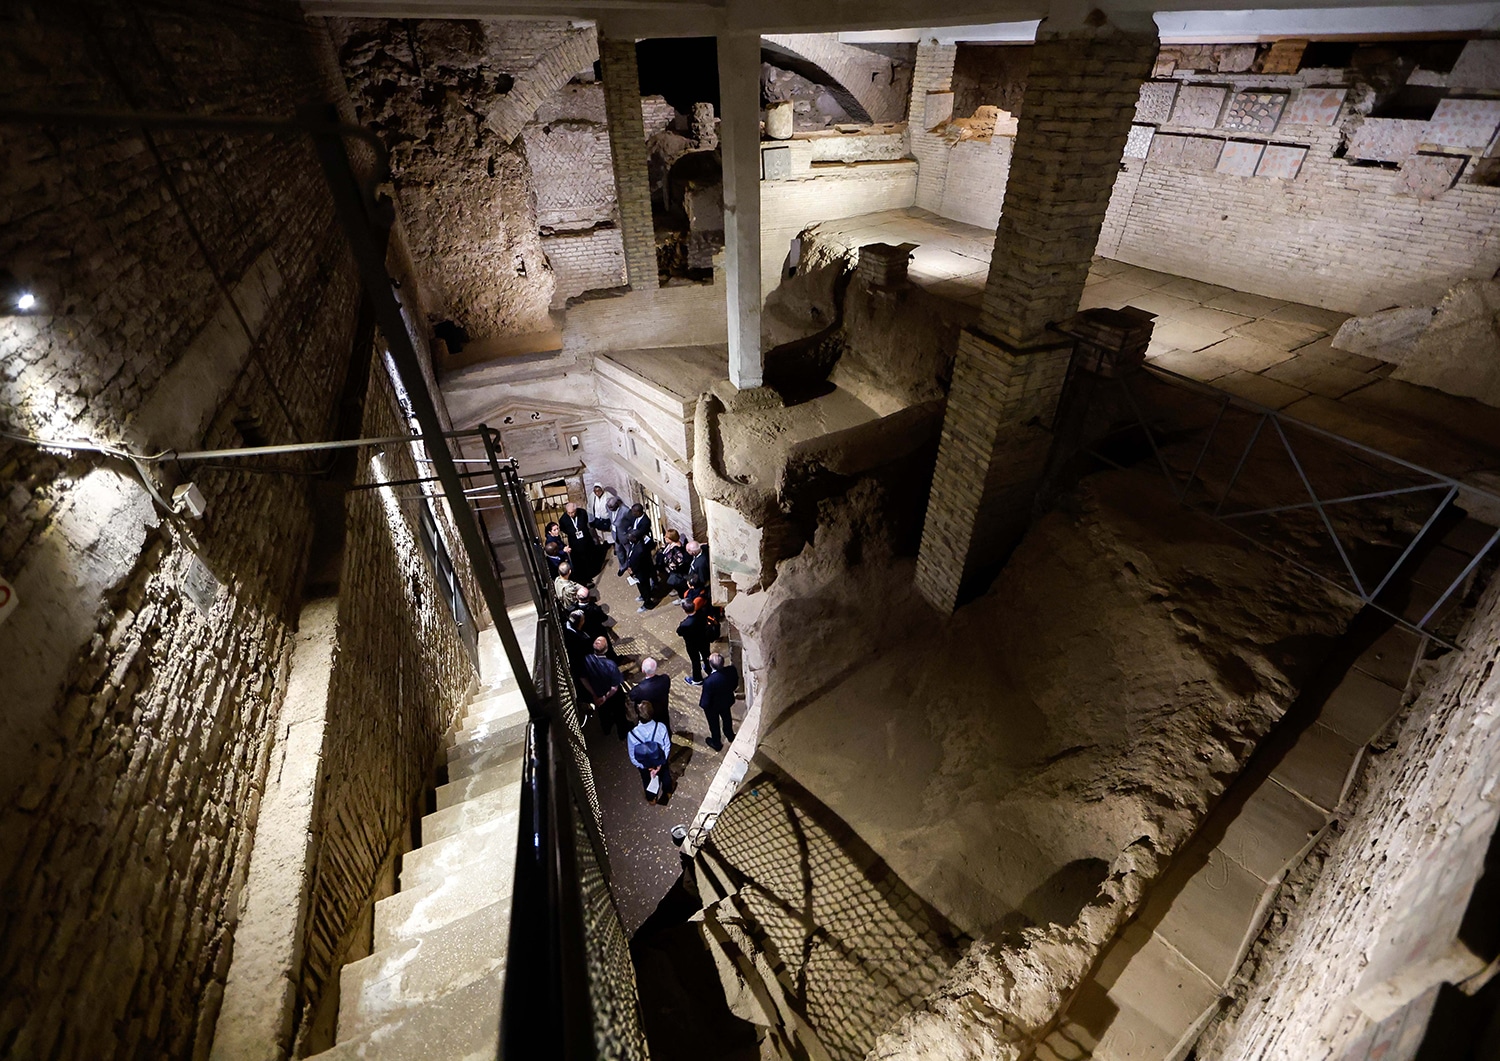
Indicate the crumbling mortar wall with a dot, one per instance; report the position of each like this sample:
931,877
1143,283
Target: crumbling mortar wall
395,689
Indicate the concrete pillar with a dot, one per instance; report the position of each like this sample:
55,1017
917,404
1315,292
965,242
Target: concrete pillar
739,133
627,149
1009,372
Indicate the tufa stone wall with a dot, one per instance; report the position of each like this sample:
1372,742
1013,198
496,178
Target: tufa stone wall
1371,945
137,715
450,98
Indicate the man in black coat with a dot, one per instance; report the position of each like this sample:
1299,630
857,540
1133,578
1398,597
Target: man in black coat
718,699
699,573
656,688
581,540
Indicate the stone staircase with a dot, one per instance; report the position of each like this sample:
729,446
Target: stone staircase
431,988
1165,976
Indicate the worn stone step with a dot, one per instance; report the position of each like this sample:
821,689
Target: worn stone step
465,788
432,863
377,989
466,815
463,1025
474,761
461,757
410,914
488,716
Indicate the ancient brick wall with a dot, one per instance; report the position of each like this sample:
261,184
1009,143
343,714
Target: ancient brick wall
400,674
137,717
586,261
622,102
1371,937
933,74
568,147
1345,236
451,98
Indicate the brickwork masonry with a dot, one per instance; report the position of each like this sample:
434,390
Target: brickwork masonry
1387,907
146,661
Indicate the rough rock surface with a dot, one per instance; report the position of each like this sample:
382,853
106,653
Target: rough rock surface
1028,765
1390,335
466,192
1459,351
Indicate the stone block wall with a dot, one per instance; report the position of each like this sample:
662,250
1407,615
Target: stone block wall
144,663
1348,237
1375,935
974,189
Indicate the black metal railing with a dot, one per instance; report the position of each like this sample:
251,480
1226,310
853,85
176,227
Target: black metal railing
570,986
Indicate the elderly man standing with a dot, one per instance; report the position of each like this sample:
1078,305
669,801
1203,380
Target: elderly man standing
565,589
655,689
604,684
579,536
718,699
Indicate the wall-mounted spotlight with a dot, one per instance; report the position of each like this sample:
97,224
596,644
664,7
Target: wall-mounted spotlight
573,441
15,297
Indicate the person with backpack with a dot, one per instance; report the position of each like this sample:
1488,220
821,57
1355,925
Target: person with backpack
672,560
649,745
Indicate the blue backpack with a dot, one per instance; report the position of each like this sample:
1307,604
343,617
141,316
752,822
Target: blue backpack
651,752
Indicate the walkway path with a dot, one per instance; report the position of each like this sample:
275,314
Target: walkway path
643,860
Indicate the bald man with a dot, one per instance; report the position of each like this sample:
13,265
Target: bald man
603,682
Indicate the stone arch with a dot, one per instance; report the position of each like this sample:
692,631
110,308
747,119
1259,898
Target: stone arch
862,81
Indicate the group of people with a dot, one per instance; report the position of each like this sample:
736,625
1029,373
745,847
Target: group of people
576,547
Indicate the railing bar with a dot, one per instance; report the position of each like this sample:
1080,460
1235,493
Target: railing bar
1245,456
1441,507
1461,576
1328,523
1203,453
1339,500
1303,425
1146,427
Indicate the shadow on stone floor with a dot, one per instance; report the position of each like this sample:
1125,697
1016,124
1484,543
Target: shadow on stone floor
845,945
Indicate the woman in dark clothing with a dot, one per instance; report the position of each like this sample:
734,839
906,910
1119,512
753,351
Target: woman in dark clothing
553,535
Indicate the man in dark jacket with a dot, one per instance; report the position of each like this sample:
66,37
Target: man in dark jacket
699,572
718,699
642,568
656,688
696,635
605,685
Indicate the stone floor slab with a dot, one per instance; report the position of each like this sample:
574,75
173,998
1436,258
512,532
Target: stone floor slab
1360,707
1272,830
1211,918
1319,765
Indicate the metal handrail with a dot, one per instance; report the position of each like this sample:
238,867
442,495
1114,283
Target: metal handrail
1279,422
554,1003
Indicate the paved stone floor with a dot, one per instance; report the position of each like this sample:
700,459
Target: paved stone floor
1274,353
644,861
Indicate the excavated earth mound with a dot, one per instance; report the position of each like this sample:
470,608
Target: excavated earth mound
1028,765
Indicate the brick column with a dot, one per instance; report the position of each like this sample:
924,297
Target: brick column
1080,97
933,74
627,149
739,137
